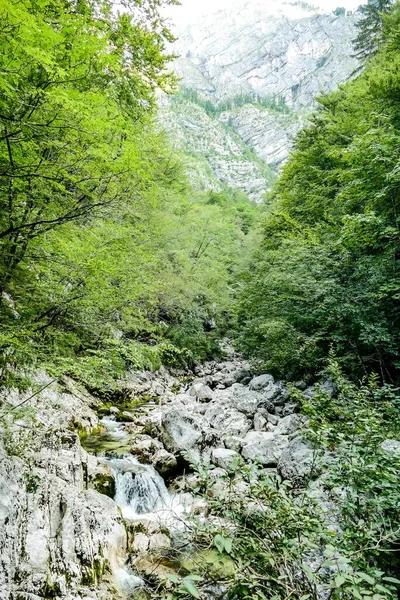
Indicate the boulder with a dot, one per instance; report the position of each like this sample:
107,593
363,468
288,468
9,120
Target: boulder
288,425
164,462
273,419
264,447
140,543
244,400
233,442
158,542
260,422
99,475
144,447
201,391
183,430
224,458
296,461
290,408
261,382
228,421
67,536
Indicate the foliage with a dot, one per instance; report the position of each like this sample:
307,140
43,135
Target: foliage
108,259
274,103
370,28
73,78
327,271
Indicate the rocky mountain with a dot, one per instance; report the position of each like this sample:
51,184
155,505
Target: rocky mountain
249,78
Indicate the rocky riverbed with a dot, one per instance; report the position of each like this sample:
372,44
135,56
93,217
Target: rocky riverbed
92,494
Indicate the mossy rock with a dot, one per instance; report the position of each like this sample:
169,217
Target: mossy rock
105,484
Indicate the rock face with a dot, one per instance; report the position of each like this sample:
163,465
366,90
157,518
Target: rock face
57,536
250,74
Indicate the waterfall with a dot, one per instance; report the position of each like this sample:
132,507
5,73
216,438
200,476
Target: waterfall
142,494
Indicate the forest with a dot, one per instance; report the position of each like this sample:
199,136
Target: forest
108,258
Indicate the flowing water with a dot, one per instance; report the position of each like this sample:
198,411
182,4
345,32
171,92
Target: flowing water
114,438
142,494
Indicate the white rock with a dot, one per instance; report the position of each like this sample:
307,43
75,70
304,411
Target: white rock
264,447
288,425
159,541
260,422
202,392
261,382
224,458
140,542
391,446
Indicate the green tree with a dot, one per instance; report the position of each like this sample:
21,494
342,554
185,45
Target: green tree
370,28
74,77
327,271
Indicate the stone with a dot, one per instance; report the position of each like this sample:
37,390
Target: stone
261,382
260,422
99,476
224,458
229,421
159,541
141,543
200,507
144,447
201,391
391,446
233,442
125,415
288,425
184,430
296,461
241,487
38,504
290,408
244,400
185,399
113,410
164,462
273,419
264,447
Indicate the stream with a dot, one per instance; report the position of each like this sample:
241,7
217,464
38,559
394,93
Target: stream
140,492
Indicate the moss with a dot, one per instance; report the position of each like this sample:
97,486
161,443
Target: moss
105,484
91,575
50,589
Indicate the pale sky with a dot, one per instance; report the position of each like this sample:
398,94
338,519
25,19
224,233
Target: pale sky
190,9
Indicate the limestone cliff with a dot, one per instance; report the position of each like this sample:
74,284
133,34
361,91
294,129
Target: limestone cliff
249,78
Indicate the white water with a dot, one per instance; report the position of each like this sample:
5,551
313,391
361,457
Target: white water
127,581
142,494
114,429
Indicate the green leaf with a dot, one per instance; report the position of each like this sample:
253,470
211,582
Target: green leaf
190,588
228,545
391,580
366,577
340,580
219,542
